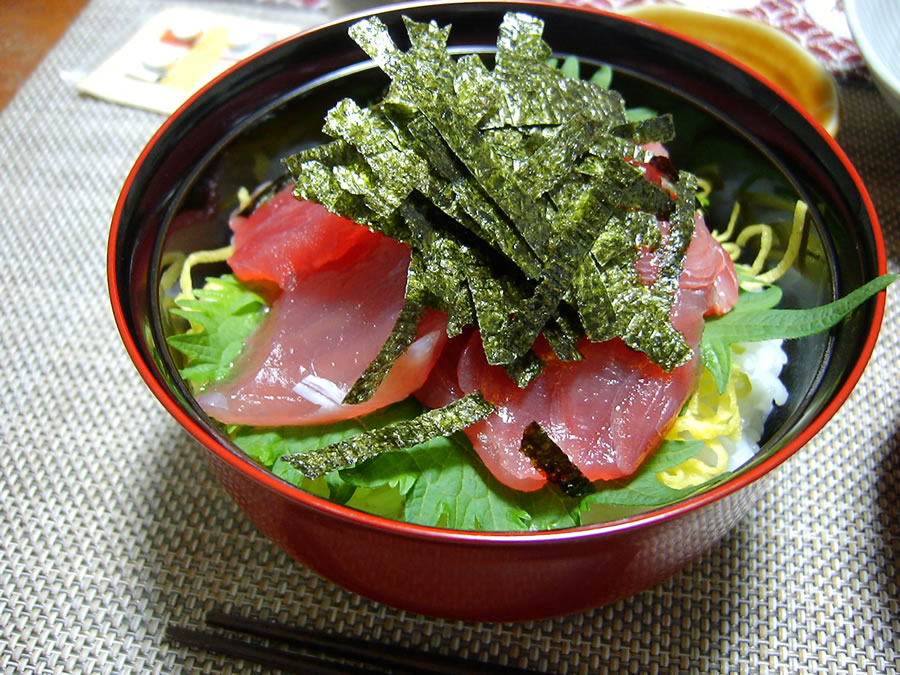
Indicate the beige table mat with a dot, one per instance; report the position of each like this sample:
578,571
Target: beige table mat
112,525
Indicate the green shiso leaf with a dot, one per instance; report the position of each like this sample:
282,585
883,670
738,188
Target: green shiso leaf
753,319
717,356
223,315
602,77
398,469
760,300
792,323
454,489
518,173
547,509
440,482
443,483
716,351
640,113
268,445
643,488
571,68
454,492
445,421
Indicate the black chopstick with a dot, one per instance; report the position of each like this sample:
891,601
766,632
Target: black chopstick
290,662
394,658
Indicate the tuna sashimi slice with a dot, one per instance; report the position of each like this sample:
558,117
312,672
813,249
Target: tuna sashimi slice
618,406
707,267
607,412
320,336
286,238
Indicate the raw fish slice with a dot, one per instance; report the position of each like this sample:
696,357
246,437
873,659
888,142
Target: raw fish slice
607,412
618,405
319,338
286,239
706,266
463,359
516,409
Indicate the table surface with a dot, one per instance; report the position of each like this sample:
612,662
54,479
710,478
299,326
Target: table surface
30,29
113,526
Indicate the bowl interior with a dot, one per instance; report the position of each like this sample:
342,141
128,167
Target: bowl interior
732,129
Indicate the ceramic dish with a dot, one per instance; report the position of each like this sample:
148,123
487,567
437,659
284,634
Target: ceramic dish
768,51
235,132
875,25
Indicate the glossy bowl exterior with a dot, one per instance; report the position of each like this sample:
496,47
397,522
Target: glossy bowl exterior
472,575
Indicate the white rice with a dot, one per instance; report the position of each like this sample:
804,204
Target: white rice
762,362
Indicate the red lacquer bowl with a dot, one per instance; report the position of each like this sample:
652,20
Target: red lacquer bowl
273,103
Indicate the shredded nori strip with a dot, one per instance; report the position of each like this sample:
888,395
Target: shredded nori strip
520,190
469,198
562,339
552,161
681,229
548,458
524,369
660,129
394,170
584,222
402,335
445,421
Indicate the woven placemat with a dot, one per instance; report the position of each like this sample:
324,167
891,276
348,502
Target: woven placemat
112,524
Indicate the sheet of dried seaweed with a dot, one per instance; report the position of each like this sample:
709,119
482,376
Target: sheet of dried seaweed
402,335
548,458
538,172
445,421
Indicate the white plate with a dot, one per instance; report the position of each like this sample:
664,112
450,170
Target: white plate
875,25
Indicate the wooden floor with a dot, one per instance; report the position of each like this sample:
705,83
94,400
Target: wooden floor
28,30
